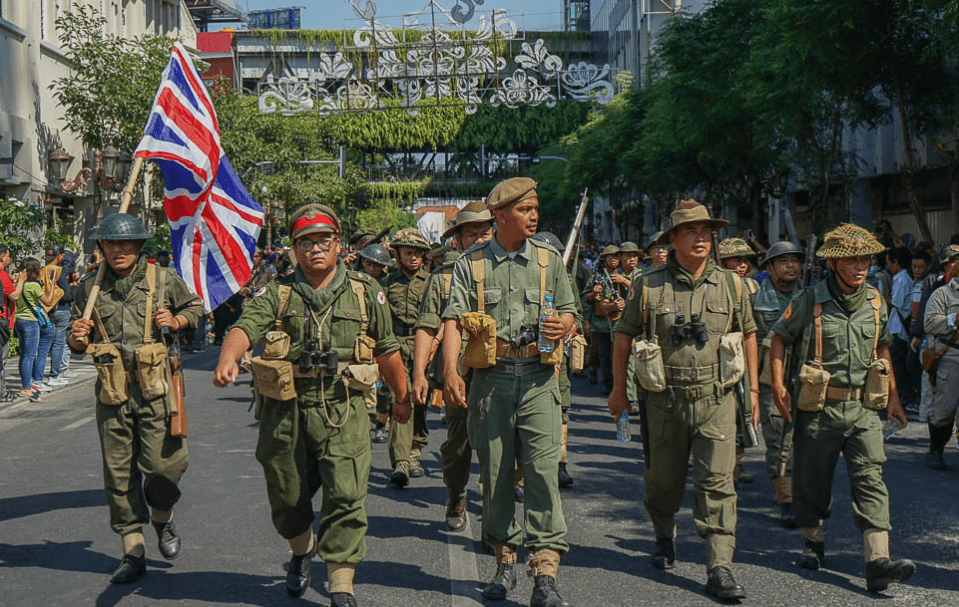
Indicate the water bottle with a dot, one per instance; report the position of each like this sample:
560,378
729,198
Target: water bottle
545,344
622,428
890,427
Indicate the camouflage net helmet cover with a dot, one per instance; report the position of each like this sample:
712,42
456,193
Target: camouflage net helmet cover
734,247
410,237
849,240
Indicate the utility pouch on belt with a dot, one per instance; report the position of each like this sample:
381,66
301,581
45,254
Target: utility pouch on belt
650,369
362,378
577,353
766,375
113,377
813,379
274,374
732,358
877,378
480,350
556,356
153,372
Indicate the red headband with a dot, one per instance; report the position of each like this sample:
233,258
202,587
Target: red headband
320,220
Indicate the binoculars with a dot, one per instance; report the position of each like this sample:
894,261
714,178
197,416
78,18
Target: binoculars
313,358
526,336
104,359
694,329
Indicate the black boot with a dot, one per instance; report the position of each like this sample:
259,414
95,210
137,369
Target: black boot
788,518
298,573
342,599
882,572
131,569
546,594
565,480
168,540
665,555
503,581
721,584
813,556
938,437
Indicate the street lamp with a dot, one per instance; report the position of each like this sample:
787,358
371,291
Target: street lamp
103,175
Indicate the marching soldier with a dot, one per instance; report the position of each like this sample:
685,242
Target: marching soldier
657,251
629,256
375,259
840,329
700,314
498,293
734,254
783,261
474,224
606,303
142,462
327,338
405,289
942,328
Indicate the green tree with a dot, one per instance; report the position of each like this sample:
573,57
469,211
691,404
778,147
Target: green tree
22,227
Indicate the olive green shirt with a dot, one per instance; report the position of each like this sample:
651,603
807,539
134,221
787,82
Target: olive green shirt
769,306
405,296
335,308
123,319
670,297
847,340
511,288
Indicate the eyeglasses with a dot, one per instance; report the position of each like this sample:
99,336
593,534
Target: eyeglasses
324,243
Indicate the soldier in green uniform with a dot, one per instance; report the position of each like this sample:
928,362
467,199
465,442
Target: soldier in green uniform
474,224
142,463
699,313
405,289
375,260
360,238
328,335
605,304
844,347
629,267
657,251
783,261
498,292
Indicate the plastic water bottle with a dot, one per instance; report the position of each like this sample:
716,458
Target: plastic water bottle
890,427
545,344
622,428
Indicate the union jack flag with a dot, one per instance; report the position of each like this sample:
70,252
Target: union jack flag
214,221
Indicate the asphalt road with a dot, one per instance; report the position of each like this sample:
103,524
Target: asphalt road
56,547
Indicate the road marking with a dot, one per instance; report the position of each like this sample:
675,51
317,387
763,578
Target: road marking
240,451
463,572
78,423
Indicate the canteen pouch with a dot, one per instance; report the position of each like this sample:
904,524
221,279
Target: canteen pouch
577,353
276,345
362,378
363,350
732,359
153,373
110,371
877,385
813,381
552,358
480,350
274,378
649,364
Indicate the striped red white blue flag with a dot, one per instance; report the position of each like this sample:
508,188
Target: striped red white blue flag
214,221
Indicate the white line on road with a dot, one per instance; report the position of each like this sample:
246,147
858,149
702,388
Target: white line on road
78,423
463,572
240,451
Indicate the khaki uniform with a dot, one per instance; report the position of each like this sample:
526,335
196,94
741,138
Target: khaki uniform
842,427
514,406
142,463
694,416
321,438
405,296
942,307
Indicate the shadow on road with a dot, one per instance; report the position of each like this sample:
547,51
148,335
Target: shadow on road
28,505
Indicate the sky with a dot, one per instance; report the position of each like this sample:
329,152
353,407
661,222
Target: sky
540,15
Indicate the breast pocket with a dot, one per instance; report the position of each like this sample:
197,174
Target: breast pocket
293,321
867,334
112,319
531,307
345,328
492,296
717,317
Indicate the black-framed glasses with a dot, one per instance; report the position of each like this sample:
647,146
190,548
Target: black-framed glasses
323,242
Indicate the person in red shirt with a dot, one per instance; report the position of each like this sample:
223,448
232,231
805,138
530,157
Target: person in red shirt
6,320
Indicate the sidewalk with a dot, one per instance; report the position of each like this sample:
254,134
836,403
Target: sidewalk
81,373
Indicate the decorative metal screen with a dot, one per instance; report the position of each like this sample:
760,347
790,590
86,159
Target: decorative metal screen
433,56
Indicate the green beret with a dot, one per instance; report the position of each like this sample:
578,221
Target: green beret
509,191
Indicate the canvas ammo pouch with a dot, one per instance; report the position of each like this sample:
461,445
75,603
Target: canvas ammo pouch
110,371
577,353
153,372
362,378
813,379
480,327
650,368
732,358
876,396
273,373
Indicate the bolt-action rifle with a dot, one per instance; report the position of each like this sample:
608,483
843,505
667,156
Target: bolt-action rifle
791,375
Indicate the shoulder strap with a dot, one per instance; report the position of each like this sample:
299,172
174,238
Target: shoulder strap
99,323
151,289
817,314
479,275
447,281
876,302
735,284
359,289
284,292
542,256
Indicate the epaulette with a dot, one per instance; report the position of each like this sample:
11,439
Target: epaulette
476,246
543,245
357,275
654,271
445,266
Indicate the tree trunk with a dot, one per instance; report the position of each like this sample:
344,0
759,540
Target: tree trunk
909,172
954,186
